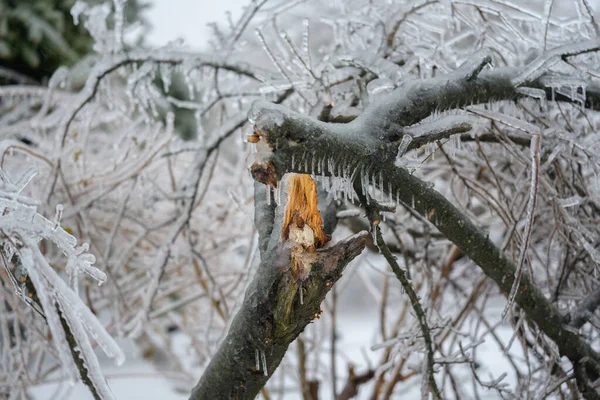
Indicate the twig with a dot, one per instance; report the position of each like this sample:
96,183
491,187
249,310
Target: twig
585,310
416,304
354,381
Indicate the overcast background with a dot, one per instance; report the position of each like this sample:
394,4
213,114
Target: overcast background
188,19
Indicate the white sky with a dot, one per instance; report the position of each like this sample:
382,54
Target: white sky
188,19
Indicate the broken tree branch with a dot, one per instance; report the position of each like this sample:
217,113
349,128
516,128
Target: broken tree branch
272,316
291,142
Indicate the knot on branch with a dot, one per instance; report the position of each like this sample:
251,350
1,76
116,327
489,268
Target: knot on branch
264,172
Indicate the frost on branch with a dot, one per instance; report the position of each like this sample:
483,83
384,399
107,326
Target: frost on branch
41,286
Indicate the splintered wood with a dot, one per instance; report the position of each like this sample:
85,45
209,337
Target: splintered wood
302,224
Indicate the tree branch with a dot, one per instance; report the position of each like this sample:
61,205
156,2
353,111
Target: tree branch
354,381
271,317
384,122
73,345
416,305
585,310
362,148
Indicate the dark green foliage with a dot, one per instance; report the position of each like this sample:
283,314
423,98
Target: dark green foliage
38,36
185,120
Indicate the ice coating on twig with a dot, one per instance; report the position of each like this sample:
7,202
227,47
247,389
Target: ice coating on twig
543,63
21,224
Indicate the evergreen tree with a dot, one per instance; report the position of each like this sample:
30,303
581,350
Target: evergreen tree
38,36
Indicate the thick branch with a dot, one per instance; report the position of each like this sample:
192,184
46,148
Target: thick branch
385,121
270,318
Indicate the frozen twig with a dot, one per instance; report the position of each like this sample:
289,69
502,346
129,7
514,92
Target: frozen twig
70,321
416,304
585,310
543,63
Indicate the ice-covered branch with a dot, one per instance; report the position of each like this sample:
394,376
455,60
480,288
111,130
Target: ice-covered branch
439,129
381,127
543,63
69,320
195,173
584,311
416,304
364,150
107,66
472,67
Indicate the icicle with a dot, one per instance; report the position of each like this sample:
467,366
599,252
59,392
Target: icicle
277,195
538,94
306,43
58,215
457,143
373,185
268,193
406,140
264,363
363,181
381,191
166,75
374,234
257,359
301,294
190,84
